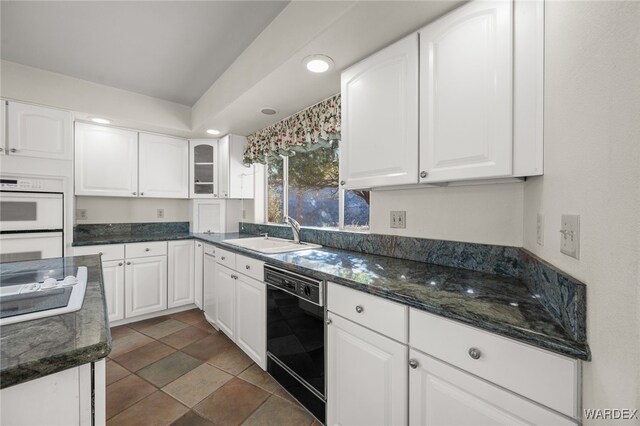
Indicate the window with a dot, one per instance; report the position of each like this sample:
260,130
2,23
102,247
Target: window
308,181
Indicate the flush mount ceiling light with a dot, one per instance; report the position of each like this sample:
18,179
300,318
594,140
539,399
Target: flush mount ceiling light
269,111
101,120
318,63
214,132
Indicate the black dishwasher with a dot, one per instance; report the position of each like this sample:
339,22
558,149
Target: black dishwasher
296,336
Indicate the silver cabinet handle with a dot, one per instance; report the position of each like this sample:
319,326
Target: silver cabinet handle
147,249
128,263
248,267
329,321
413,363
423,174
359,309
475,353
142,193
134,193
199,245
13,150
119,263
221,257
342,182
215,195
1,149
100,253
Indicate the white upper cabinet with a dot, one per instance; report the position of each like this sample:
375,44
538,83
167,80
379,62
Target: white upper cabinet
106,161
163,166
234,178
379,143
203,168
466,94
34,131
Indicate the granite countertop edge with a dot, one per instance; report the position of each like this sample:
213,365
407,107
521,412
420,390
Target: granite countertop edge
566,347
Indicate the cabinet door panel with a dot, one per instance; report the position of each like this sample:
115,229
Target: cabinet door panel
251,318
203,168
443,395
209,282
146,279
379,143
35,131
198,270
106,161
466,94
164,167
113,276
225,295
366,377
181,284
240,176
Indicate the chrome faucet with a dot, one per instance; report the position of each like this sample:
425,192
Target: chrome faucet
295,227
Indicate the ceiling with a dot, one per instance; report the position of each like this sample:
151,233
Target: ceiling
172,50
225,59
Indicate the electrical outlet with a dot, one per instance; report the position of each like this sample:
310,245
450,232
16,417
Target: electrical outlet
160,214
570,239
540,229
81,214
398,219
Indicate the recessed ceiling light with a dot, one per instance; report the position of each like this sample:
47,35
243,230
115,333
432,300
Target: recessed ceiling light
318,63
213,131
101,120
269,111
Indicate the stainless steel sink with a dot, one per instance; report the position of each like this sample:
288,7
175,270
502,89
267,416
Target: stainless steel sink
270,245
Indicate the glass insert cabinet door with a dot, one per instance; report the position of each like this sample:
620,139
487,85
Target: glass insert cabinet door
204,155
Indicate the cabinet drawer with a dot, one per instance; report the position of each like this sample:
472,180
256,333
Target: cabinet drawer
108,251
385,317
209,249
542,376
156,248
251,267
226,258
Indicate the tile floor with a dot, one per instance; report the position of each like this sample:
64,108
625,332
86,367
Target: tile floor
178,370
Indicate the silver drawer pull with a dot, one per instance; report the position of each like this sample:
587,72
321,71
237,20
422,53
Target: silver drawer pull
359,309
120,264
413,363
128,263
147,249
221,257
475,353
248,267
101,253
329,321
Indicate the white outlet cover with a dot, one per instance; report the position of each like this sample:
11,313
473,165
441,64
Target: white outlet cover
160,214
399,219
570,235
81,214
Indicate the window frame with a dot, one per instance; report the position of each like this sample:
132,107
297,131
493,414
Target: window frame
285,196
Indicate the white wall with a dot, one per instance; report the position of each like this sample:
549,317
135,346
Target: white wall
592,168
132,210
124,108
489,214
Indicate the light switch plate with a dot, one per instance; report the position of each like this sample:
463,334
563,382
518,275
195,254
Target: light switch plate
540,229
399,219
160,214
570,235
81,214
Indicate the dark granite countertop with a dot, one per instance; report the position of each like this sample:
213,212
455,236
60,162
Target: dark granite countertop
33,349
498,304
130,238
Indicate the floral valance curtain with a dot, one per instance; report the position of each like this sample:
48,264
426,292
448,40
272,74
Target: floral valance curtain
315,127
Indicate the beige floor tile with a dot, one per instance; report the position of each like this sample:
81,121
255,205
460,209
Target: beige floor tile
144,355
259,377
197,384
164,328
128,343
158,409
280,392
232,360
192,316
277,410
206,326
115,372
141,325
168,369
120,331
191,419
232,403
205,348
184,337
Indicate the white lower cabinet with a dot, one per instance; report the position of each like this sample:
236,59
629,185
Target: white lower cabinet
198,273
366,377
208,283
225,295
146,279
113,278
181,281
251,318
444,395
